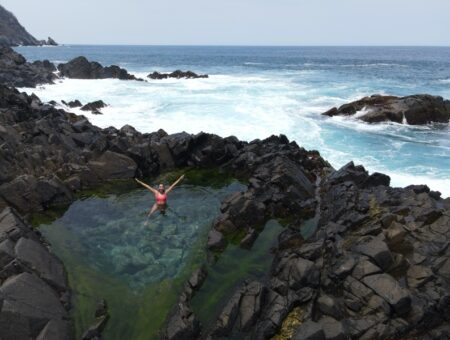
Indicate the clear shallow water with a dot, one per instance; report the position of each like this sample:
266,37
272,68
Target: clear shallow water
109,253
234,266
254,92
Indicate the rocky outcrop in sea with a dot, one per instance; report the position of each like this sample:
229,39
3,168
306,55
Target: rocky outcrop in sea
414,110
81,68
178,74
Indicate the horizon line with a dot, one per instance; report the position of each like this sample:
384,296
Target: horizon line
229,45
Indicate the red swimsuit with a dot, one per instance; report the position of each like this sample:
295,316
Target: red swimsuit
161,199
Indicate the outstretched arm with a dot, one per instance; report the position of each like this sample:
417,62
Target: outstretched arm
146,186
174,184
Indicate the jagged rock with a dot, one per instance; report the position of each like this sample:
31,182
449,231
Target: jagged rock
216,241
415,110
28,297
418,276
178,74
112,165
250,304
51,42
94,107
198,277
55,330
333,329
389,289
228,316
16,71
81,68
309,330
364,268
182,324
377,250
74,103
35,256
329,306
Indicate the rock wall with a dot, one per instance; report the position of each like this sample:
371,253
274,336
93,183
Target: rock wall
34,293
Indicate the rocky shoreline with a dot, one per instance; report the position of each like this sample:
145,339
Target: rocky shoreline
378,265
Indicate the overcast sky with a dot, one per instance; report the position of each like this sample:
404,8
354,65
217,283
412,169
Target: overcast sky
237,22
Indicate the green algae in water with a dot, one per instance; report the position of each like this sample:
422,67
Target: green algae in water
233,266
109,253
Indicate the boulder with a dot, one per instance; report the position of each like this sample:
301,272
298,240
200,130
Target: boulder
390,290
309,330
216,241
46,265
31,298
74,103
377,250
111,165
94,107
250,305
414,110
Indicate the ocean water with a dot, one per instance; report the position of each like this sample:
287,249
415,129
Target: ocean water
254,92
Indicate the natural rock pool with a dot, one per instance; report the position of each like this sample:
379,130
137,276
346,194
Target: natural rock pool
110,253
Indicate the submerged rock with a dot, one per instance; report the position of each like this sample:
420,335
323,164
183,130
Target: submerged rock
414,110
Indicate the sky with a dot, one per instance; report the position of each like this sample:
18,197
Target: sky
237,22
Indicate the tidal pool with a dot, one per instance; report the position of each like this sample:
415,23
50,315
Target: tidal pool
109,253
232,267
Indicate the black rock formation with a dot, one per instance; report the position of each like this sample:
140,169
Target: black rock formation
178,74
16,71
81,68
94,107
415,110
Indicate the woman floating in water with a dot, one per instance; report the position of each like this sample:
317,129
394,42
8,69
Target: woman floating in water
160,196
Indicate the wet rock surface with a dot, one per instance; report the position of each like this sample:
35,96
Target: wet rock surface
415,110
81,68
178,74
16,71
94,107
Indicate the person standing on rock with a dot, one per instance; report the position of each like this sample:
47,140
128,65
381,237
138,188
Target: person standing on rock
160,196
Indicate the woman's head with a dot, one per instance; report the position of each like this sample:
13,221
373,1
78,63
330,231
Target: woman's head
161,188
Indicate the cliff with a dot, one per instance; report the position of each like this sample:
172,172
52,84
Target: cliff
12,33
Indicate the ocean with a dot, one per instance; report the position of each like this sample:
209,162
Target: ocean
254,92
